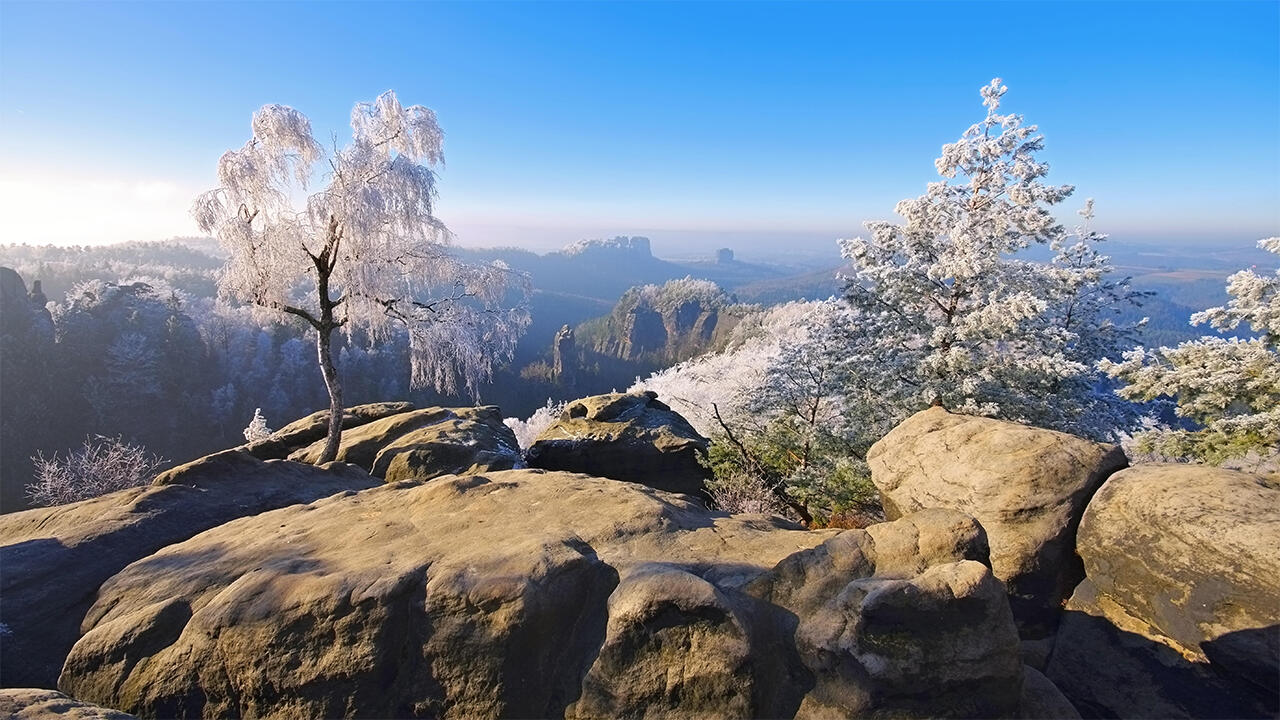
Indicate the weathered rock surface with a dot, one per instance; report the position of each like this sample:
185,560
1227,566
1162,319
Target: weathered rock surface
533,594
52,560
307,430
1027,486
625,436
36,704
396,442
468,442
1180,613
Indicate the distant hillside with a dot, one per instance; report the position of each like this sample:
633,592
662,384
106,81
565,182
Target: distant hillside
606,268
661,323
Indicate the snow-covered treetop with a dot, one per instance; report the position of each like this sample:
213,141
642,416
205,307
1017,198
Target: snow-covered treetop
1255,299
674,293
952,312
369,236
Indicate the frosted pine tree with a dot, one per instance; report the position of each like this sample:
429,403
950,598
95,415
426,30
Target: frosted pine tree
1230,388
257,429
366,252
947,314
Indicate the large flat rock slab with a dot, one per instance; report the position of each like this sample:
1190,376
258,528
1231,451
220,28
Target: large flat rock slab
53,560
626,436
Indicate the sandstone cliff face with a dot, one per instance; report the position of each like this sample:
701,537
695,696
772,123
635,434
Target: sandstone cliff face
1027,486
668,323
532,594
1179,615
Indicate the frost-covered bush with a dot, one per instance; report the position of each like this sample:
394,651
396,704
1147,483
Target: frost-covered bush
1229,389
102,465
745,493
257,429
949,313
527,431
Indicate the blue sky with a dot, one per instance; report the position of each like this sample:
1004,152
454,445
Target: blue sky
756,124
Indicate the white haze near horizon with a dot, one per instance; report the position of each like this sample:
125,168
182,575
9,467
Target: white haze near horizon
63,211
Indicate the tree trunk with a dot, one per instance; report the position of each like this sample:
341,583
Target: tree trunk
334,385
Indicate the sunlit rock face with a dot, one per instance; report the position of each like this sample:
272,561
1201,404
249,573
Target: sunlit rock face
1178,615
1027,486
52,560
545,594
37,704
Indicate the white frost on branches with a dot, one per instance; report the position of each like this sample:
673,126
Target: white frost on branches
733,379
369,236
947,313
257,429
1230,388
102,465
1255,300
527,431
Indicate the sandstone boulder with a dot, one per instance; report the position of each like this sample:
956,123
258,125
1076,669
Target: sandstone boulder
625,436
468,442
426,443
35,704
52,560
1180,613
533,594
1027,486
305,431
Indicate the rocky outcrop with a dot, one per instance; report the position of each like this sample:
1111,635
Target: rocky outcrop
312,428
35,704
26,353
54,559
32,703
1178,615
1027,486
564,354
668,323
625,436
394,441
532,594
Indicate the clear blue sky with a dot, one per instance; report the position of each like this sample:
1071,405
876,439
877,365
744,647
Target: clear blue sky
752,121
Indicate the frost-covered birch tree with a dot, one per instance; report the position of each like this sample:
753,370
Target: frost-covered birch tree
365,252
945,311
1230,388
